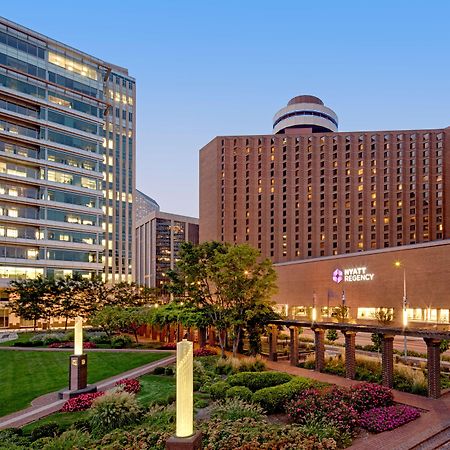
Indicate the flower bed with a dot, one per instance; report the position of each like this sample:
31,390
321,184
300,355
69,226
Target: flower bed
168,346
81,403
377,420
204,351
86,345
130,385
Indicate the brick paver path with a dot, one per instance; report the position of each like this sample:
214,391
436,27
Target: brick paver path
50,403
435,418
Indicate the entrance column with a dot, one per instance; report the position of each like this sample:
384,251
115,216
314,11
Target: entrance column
387,360
319,345
434,367
273,341
350,358
293,350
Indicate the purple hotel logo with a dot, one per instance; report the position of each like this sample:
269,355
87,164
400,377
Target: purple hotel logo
338,276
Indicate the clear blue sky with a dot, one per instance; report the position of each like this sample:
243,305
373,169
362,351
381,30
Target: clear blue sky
207,68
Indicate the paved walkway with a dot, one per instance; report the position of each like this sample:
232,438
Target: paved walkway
435,418
50,403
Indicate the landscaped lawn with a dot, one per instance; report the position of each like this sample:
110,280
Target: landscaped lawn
21,337
25,375
154,388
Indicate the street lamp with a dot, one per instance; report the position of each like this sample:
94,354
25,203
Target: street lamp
404,304
314,309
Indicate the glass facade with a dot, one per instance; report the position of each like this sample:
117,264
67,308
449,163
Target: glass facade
52,108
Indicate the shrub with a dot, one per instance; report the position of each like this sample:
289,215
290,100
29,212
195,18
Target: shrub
69,440
86,345
97,337
273,399
12,438
159,370
249,434
366,396
332,335
377,420
226,366
258,380
50,338
411,380
121,341
168,346
324,430
49,429
169,371
235,409
27,344
113,410
240,392
81,403
82,424
130,385
332,406
218,390
204,351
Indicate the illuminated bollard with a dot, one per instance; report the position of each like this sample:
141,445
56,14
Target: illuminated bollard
184,438
185,387
77,366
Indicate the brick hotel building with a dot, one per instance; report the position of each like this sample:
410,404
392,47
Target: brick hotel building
317,201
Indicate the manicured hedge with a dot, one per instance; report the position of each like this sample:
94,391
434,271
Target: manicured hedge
241,392
218,390
258,380
273,399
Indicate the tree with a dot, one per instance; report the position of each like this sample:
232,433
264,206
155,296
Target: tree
384,317
30,299
341,313
226,282
108,318
127,294
332,336
69,298
131,319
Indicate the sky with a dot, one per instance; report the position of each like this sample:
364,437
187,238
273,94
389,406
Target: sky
205,68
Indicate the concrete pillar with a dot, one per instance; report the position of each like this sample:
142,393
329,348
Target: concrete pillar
273,340
319,343
350,357
434,367
387,360
293,354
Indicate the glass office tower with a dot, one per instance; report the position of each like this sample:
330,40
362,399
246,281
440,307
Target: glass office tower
67,156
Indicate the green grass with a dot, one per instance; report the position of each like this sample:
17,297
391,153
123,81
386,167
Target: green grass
155,388
25,375
65,420
22,337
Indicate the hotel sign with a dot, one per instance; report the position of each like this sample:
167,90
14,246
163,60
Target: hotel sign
355,274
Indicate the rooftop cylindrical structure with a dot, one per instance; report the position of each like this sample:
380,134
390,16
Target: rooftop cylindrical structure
305,111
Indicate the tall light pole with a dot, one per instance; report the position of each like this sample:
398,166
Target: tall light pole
404,304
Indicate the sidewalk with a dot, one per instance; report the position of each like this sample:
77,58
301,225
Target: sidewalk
49,403
435,417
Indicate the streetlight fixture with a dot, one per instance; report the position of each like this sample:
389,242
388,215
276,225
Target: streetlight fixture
398,264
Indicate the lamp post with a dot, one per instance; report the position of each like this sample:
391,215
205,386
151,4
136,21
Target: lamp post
77,366
404,306
185,438
314,308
